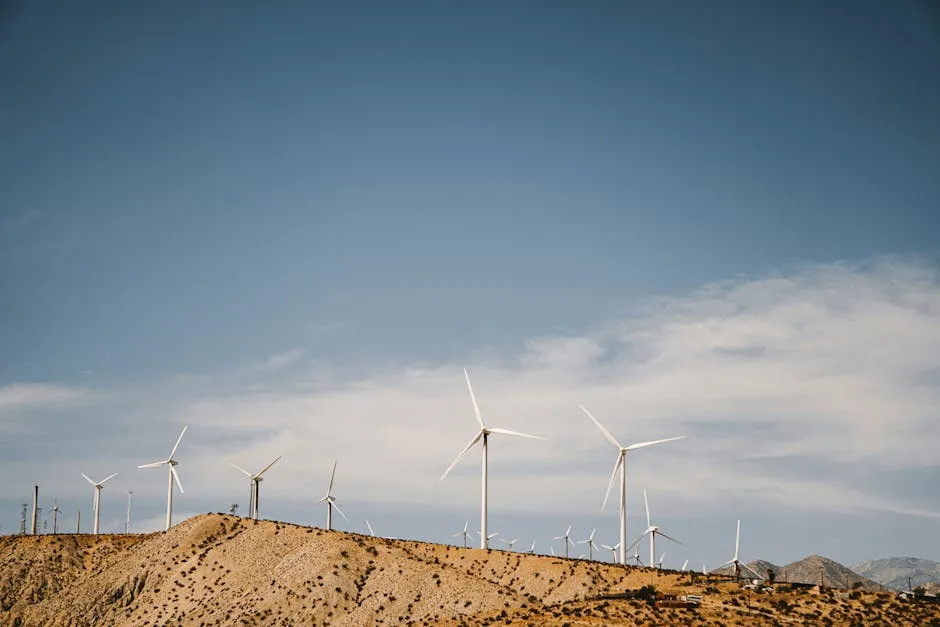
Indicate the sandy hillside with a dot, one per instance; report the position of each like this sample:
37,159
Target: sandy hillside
225,570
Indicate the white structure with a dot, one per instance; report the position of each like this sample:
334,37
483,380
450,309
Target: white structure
170,463
483,434
613,551
98,486
567,539
653,531
371,533
685,565
621,465
531,548
734,562
254,481
465,534
509,543
590,542
55,516
330,501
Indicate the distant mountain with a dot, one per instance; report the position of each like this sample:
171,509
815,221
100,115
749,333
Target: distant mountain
894,571
833,574
759,566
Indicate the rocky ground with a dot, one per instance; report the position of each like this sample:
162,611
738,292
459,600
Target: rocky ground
225,570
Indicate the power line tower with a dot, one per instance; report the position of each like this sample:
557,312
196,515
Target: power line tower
23,519
233,509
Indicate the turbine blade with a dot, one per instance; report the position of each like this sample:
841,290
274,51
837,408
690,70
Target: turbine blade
610,483
321,500
465,526
339,510
508,432
651,443
106,478
153,465
371,533
245,472
637,541
177,478
647,503
265,469
329,490
88,479
462,453
753,572
660,533
606,433
178,440
476,408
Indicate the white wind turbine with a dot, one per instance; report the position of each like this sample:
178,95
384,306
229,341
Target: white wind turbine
685,565
255,484
509,543
531,548
662,558
734,562
590,542
98,486
636,556
567,539
330,501
371,533
465,534
621,464
170,463
489,537
483,434
653,531
613,551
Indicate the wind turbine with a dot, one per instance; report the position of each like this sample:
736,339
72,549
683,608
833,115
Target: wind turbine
170,463
371,533
531,548
590,543
636,556
621,464
55,516
613,551
509,543
489,537
653,531
255,482
567,539
685,565
734,561
331,502
463,533
483,434
98,486
659,564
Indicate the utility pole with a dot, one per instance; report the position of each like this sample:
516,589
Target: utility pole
127,525
78,522
23,519
32,528
233,510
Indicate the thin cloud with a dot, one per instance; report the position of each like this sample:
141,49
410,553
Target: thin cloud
22,396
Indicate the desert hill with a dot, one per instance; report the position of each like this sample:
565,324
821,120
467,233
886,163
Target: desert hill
893,572
225,570
833,574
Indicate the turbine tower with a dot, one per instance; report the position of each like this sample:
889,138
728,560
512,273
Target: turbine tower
98,486
567,539
734,562
464,533
613,551
590,542
255,485
621,465
170,463
330,501
653,531
483,434
55,516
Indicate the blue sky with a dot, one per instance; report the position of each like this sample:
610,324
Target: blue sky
204,202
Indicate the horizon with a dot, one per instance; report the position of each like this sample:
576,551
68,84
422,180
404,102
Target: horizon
290,228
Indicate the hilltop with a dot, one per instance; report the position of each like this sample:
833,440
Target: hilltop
225,570
834,575
893,572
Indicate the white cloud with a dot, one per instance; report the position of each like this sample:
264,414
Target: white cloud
833,365
19,396
282,360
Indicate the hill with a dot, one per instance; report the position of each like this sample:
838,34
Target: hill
893,572
226,570
814,568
